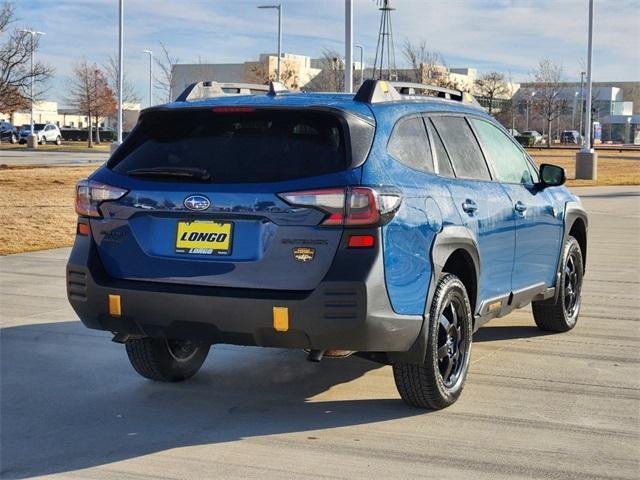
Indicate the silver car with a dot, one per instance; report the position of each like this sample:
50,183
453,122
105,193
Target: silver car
46,132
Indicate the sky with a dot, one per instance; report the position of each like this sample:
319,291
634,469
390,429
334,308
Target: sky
510,36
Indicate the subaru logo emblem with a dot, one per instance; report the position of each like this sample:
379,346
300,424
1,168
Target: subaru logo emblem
197,202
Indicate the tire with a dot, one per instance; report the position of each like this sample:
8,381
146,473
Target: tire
561,314
43,140
13,139
166,360
58,140
438,382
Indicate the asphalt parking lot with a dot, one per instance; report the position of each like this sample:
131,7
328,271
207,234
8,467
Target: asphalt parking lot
564,406
48,158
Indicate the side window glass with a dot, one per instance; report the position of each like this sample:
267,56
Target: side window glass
463,148
409,144
509,161
442,158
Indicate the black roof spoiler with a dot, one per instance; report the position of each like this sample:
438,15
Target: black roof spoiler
380,91
211,89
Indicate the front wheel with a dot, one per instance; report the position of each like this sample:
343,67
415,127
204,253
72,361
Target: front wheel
561,314
58,140
13,139
166,360
438,381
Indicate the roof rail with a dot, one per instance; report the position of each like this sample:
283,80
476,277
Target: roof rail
379,91
210,89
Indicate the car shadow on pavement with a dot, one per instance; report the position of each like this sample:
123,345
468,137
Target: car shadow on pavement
70,400
492,333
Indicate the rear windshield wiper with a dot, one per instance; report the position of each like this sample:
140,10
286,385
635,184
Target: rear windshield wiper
171,172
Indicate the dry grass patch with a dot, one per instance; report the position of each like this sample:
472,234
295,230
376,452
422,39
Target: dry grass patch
36,207
614,167
104,147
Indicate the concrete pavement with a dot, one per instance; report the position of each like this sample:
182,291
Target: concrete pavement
49,158
563,406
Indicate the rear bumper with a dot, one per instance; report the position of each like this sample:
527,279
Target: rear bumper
349,310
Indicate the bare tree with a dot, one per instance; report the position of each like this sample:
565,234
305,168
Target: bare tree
426,65
288,76
91,95
15,64
129,92
164,76
491,85
331,76
547,84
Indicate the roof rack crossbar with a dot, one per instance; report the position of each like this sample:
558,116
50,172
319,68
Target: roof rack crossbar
211,89
380,91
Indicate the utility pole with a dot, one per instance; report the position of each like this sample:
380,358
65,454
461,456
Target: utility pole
587,158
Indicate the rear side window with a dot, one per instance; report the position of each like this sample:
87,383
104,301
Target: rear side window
442,158
508,160
463,148
409,144
249,146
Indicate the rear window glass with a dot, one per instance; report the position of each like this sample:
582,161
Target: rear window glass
463,148
409,144
236,147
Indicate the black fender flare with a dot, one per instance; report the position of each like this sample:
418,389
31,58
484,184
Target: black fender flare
572,212
448,240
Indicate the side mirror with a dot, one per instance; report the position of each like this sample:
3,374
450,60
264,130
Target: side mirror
552,175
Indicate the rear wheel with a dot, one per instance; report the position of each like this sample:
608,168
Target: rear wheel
13,138
166,360
561,314
438,382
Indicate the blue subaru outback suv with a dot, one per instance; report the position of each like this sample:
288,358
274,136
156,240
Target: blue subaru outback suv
391,224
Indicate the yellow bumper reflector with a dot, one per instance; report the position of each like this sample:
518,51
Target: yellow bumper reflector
114,305
280,319
495,305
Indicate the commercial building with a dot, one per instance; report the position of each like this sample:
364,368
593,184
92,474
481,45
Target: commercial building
50,112
297,72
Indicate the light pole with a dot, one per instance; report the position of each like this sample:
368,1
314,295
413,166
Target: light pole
587,158
582,74
348,46
279,8
118,142
357,45
533,94
150,53
33,34
573,113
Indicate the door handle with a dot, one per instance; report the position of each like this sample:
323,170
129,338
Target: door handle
469,206
520,207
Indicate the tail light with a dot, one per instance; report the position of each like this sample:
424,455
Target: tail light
349,206
90,194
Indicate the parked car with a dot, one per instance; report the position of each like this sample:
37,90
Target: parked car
536,135
46,132
571,136
8,132
381,224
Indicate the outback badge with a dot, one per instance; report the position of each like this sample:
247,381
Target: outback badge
304,254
